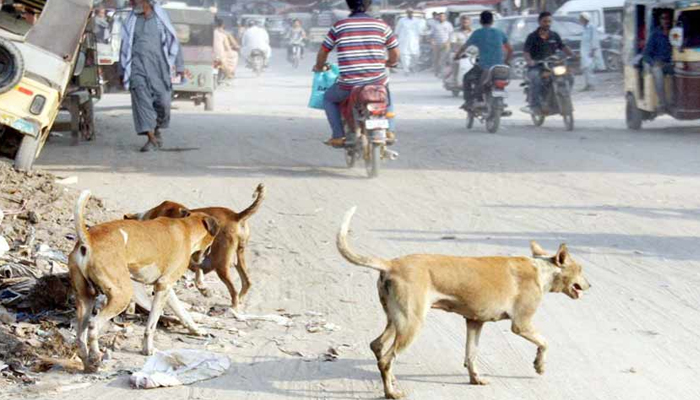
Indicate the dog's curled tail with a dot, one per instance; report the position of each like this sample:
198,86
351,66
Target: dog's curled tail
344,249
259,195
82,232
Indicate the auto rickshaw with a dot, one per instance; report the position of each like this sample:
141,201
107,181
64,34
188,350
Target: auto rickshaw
40,43
683,86
195,31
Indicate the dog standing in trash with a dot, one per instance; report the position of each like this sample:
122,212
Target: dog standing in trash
229,244
480,289
109,255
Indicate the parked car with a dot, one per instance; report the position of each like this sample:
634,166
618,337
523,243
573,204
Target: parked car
569,28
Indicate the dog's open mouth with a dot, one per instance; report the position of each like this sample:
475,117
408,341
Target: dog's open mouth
576,290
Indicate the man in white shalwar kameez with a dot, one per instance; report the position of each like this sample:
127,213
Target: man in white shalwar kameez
409,32
591,55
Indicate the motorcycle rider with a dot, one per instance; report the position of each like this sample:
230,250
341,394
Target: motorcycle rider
297,36
362,62
491,42
541,44
256,38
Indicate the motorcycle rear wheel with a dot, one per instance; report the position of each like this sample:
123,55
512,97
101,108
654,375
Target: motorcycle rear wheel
350,158
493,122
372,164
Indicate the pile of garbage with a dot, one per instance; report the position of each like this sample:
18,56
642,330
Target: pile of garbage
36,303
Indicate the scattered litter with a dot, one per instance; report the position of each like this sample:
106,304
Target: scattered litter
71,180
293,353
314,314
179,367
321,326
6,317
4,246
278,319
332,354
449,237
631,370
45,251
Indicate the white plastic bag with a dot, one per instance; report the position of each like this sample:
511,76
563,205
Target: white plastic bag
179,367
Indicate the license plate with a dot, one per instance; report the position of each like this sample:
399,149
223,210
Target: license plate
499,93
377,124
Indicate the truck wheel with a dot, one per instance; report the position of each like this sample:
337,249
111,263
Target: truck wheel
12,65
209,102
26,154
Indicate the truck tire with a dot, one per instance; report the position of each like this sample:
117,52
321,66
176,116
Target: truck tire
209,102
13,62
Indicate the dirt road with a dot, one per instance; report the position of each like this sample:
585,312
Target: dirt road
625,202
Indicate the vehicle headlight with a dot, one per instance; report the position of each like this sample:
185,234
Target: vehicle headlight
37,105
559,70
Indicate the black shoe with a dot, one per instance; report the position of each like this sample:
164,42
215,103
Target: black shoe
149,147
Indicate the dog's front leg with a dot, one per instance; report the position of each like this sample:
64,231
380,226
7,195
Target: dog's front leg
183,315
199,282
472,350
159,300
527,331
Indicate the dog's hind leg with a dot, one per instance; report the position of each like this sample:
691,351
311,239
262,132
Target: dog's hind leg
527,331
472,351
118,297
84,304
242,268
379,343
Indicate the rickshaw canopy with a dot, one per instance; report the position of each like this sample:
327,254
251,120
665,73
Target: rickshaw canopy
61,25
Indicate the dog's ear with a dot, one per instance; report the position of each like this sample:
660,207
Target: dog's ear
211,225
537,250
562,256
183,212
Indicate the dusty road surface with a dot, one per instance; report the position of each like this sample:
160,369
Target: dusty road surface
626,203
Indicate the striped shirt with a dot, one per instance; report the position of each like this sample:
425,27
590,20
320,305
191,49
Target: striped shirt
361,42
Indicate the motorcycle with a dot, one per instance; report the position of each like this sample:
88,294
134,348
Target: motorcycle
366,121
256,61
491,106
557,83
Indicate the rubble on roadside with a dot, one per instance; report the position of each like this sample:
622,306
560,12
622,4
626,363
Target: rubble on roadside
36,303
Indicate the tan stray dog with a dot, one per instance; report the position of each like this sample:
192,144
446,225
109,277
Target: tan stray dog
480,289
109,255
229,244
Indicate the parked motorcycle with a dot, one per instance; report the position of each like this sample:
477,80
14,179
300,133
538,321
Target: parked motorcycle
557,83
491,106
366,121
256,61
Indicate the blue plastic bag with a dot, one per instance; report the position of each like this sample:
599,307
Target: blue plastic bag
322,82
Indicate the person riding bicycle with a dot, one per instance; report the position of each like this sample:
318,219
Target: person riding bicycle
296,36
491,42
360,41
541,44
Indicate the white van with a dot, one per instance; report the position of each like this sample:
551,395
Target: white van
605,14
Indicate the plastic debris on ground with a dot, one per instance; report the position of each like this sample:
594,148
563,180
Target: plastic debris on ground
179,367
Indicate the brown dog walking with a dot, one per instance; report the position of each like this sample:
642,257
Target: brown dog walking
480,289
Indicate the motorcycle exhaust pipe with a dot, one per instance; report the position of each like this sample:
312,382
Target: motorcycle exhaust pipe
391,154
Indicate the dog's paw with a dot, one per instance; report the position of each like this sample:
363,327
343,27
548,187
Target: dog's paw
395,395
539,366
149,351
199,332
206,292
475,380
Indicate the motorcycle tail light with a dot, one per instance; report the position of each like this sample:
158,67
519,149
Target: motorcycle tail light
500,84
376,108
37,105
559,70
